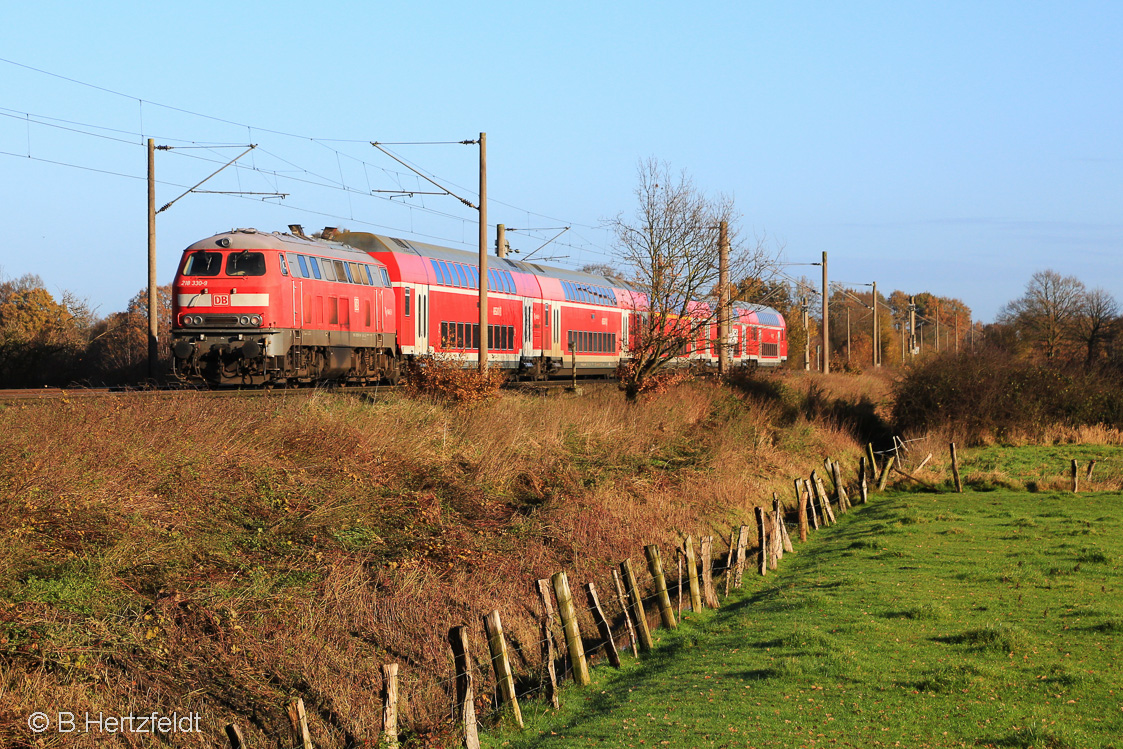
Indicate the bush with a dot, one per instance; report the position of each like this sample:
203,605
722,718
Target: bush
448,379
993,395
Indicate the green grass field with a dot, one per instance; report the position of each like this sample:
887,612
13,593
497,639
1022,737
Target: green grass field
920,620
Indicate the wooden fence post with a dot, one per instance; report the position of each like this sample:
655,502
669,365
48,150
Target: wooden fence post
1075,478
298,722
863,485
549,676
678,589
691,574
785,539
465,696
234,734
708,594
390,703
809,495
568,614
545,595
655,567
840,490
501,664
872,465
955,468
742,540
624,609
822,499
642,629
1091,465
729,561
762,553
603,625
885,473
802,515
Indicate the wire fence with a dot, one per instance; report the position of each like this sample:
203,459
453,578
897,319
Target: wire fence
763,544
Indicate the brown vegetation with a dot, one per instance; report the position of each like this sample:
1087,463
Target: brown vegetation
191,553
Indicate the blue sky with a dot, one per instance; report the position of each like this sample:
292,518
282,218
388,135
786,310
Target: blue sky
952,147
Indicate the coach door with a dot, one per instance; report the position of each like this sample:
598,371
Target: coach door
528,328
420,319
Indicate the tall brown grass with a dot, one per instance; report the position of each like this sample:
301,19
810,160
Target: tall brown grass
189,553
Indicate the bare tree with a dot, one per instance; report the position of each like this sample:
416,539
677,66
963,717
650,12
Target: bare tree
1095,322
669,250
1044,316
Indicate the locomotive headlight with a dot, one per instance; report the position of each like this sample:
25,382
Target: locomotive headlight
244,320
255,320
197,320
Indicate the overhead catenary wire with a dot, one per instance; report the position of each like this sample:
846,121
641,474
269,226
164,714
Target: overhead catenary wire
589,247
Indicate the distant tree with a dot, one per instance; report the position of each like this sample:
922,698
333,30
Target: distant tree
1095,322
41,339
118,350
669,249
1045,315
600,269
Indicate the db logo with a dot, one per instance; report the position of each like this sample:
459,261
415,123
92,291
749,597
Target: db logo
220,300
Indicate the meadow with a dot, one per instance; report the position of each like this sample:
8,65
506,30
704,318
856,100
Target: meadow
989,618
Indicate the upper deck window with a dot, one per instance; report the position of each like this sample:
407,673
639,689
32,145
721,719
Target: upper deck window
203,264
245,263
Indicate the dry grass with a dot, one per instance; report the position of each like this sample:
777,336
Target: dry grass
194,553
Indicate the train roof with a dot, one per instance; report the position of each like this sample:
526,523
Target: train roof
764,315
379,243
252,239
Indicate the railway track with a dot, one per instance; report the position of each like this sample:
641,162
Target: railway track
42,394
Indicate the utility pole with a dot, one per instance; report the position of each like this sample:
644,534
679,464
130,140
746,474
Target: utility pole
501,240
937,327
912,327
483,254
806,337
876,338
723,299
153,311
826,339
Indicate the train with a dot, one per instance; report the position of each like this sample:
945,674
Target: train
254,308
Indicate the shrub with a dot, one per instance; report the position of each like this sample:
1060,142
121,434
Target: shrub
448,379
989,395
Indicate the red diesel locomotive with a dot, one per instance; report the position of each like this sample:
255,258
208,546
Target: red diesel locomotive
252,308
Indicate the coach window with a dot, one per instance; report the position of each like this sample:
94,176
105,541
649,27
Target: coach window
405,302
473,276
245,263
460,275
284,265
201,263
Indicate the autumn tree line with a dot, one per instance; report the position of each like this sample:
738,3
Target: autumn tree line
1058,320
49,341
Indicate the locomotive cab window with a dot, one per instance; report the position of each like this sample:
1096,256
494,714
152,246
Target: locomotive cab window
203,264
245,263
284,265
